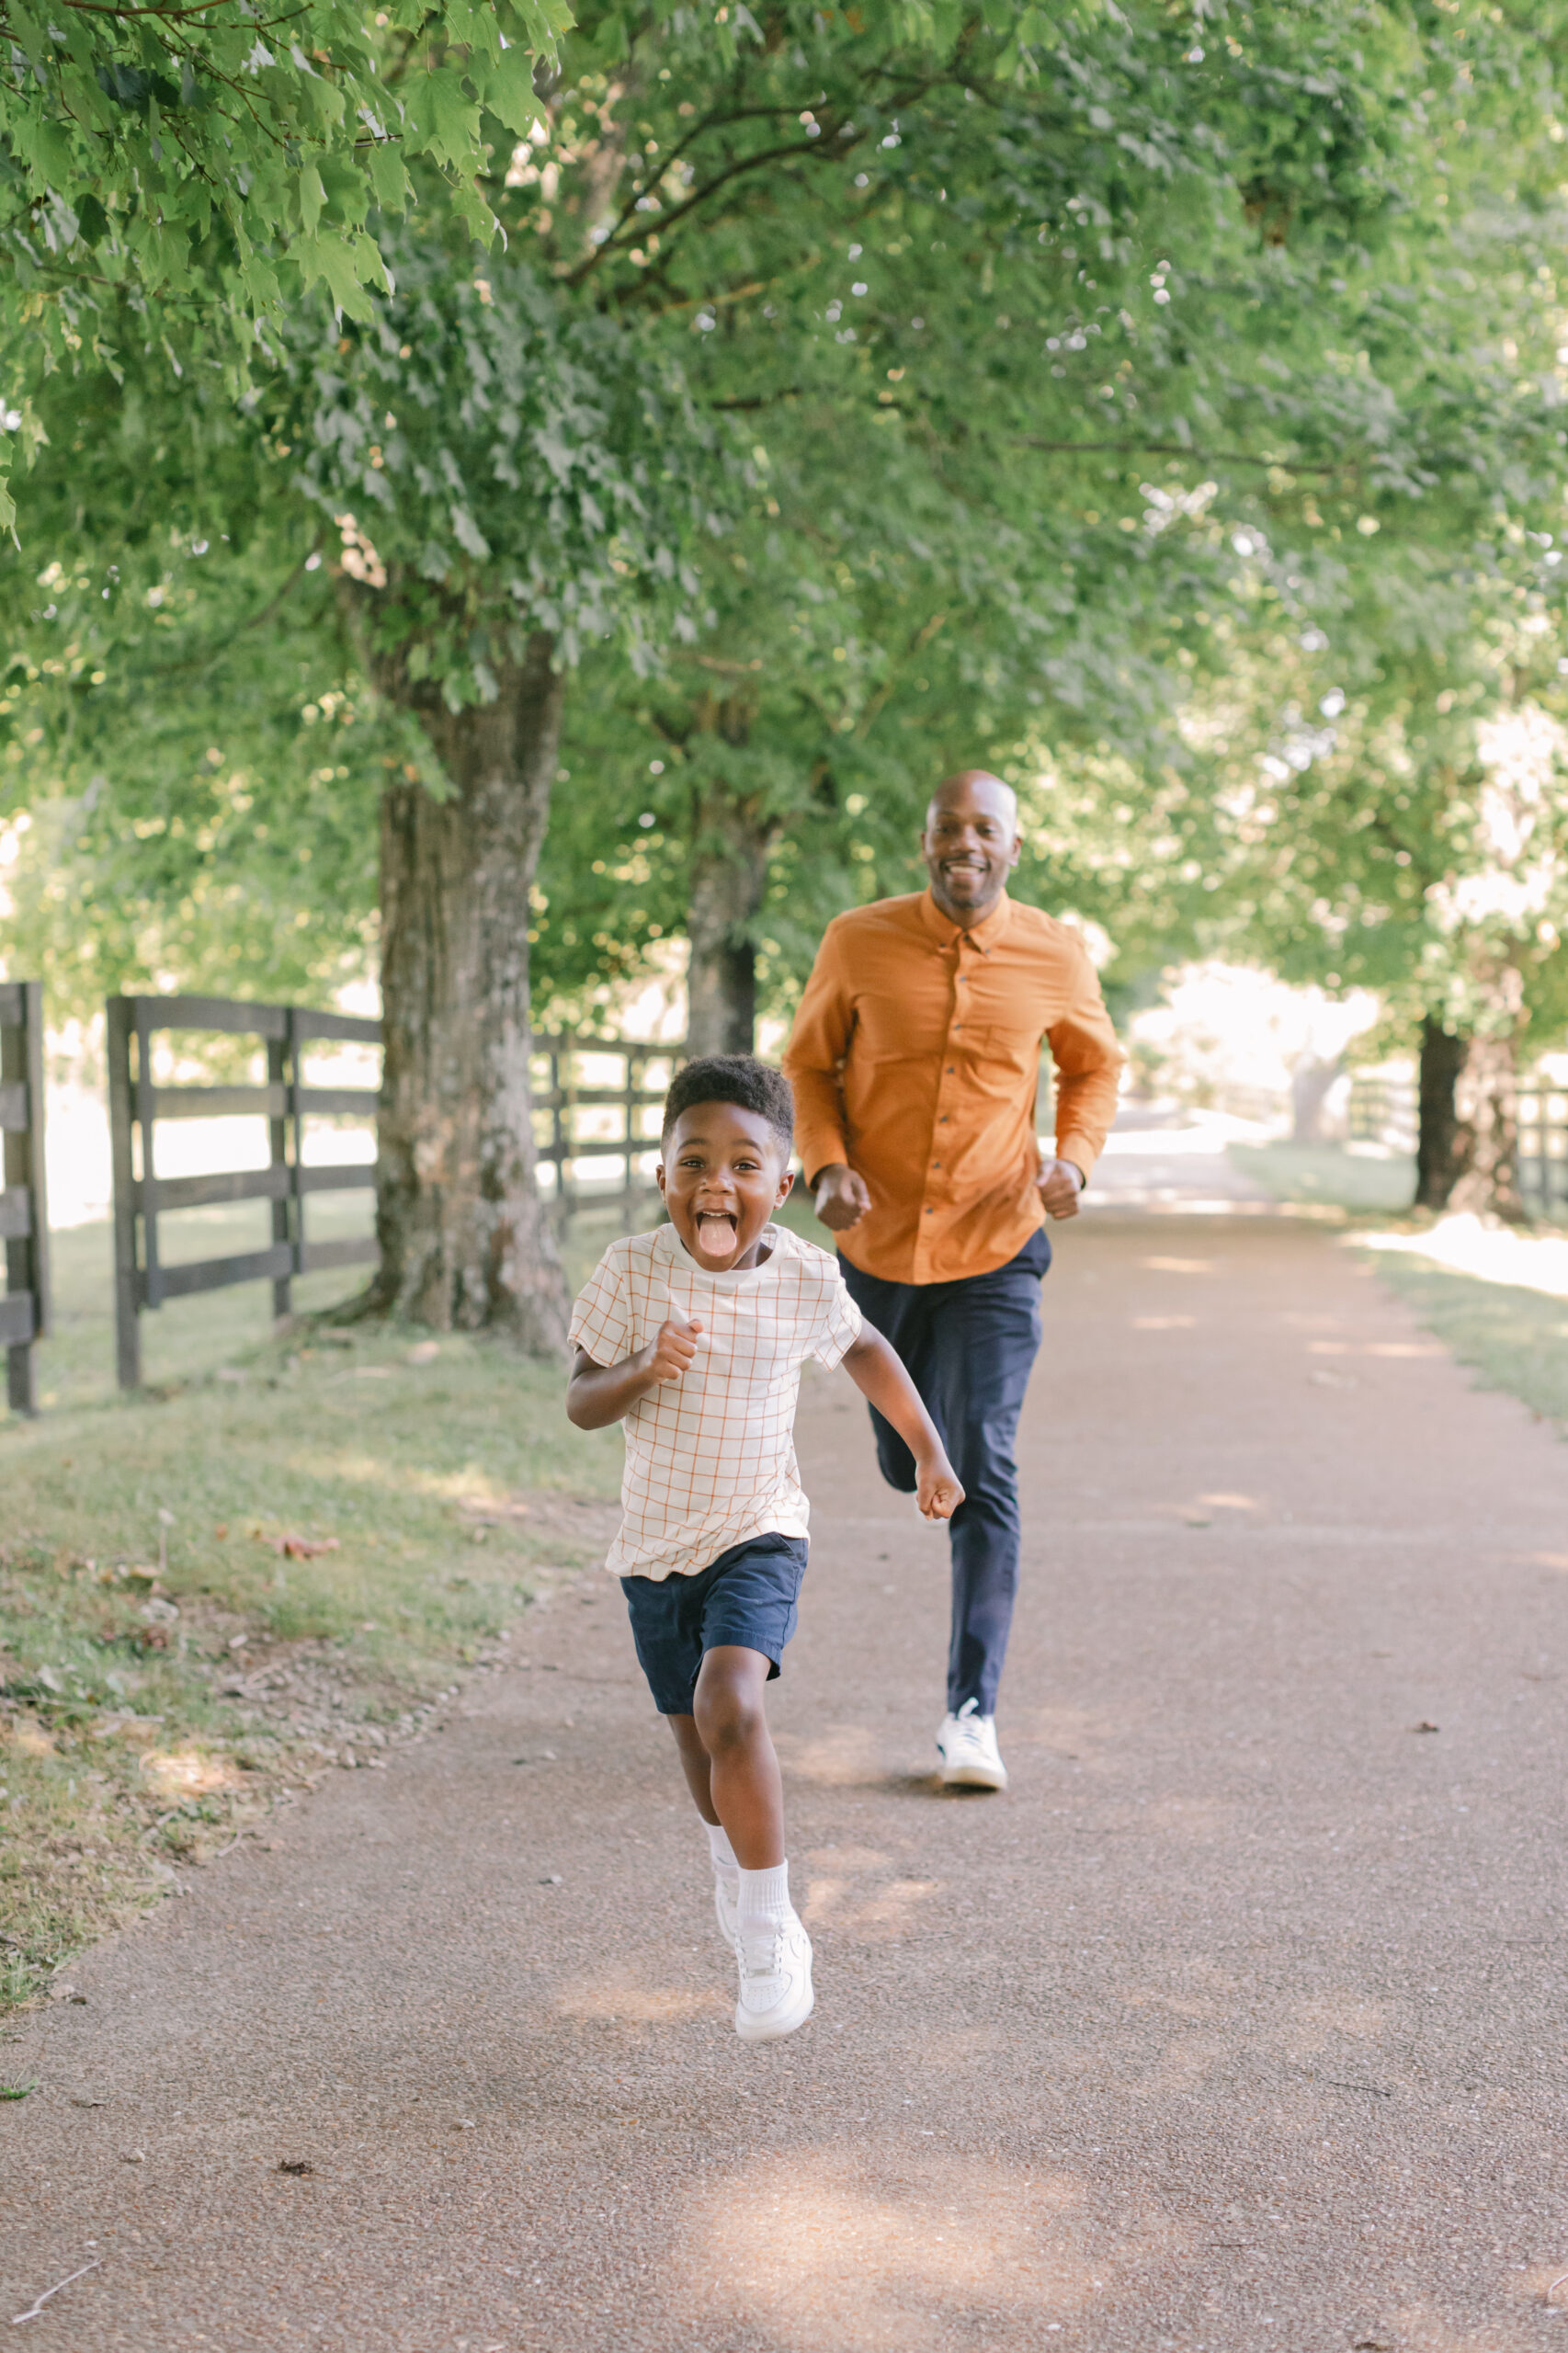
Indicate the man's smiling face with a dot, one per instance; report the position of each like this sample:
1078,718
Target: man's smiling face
971,844
725,1170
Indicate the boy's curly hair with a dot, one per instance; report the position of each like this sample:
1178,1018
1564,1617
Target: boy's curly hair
733,1078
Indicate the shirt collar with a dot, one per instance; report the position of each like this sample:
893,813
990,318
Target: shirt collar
985,933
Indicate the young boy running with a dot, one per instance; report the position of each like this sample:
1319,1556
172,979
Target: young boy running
694,1336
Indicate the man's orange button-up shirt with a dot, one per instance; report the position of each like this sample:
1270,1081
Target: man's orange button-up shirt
914,1057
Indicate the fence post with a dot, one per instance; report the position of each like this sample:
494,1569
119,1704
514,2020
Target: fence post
277,1159
127,1329
565,1120
297,1121
629,1113
27,1249
146,1103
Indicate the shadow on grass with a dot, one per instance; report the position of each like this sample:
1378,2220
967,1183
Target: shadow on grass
1516,1340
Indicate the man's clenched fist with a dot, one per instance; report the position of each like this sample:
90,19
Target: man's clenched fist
841,1199
1060,1183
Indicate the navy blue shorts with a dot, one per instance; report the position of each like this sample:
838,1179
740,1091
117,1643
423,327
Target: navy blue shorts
748,1595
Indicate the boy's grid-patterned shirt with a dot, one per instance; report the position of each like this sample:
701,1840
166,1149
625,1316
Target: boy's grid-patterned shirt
710,1458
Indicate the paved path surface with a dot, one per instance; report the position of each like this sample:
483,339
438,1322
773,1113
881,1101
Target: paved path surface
1239,2024
1165,1156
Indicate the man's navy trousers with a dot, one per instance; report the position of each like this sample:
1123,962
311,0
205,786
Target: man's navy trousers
969,1347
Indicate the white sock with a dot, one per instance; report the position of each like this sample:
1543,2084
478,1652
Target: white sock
718,1847
764,1900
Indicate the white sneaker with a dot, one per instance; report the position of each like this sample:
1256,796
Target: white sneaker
967,1747
775,1994
726,1906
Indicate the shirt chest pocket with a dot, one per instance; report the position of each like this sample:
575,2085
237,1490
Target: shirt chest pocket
996,1058
908,1026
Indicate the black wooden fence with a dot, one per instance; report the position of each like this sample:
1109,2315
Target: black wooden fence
24,1215
1543,1145
137,1105
1383,1110
592,1130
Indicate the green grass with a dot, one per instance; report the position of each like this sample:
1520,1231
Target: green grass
442,1476
188,1335
1326,1174
1515,1340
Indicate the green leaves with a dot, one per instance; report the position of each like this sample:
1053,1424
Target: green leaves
890,391
347,266
496,449
442,115
509,91
184,176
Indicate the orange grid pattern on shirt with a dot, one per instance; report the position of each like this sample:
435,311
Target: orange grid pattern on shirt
710,1458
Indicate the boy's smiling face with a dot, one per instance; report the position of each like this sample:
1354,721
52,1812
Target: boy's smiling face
724,1172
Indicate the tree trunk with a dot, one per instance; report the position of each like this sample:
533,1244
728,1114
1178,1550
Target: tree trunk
466,1242
729,878
1312,1083
1439,1149
1467,1152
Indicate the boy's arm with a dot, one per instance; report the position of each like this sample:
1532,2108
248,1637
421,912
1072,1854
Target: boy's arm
597,1394
883,1383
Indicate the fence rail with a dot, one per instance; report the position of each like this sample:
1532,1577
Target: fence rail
1385,1112
580,1120
137,1105
24,1212
1543,1145
592,1133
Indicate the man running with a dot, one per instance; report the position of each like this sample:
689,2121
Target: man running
913,1058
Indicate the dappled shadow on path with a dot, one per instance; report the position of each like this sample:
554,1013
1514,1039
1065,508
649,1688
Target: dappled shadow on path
846,2249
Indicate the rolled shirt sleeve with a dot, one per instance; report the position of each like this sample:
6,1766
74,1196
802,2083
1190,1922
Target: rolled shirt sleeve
1089,1070
814,1058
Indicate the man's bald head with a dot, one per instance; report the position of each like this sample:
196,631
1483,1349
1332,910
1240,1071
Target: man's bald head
971,844
980,784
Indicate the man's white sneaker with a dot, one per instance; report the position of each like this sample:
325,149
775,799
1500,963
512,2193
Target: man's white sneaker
967,1747
775,1994
726,1906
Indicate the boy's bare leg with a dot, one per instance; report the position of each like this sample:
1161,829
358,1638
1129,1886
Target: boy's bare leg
727,1754
695,1765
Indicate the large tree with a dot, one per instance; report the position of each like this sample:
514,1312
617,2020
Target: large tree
576,444
454,495
1406,829
1082,385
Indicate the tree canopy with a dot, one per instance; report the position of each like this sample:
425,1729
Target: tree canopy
1168,418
